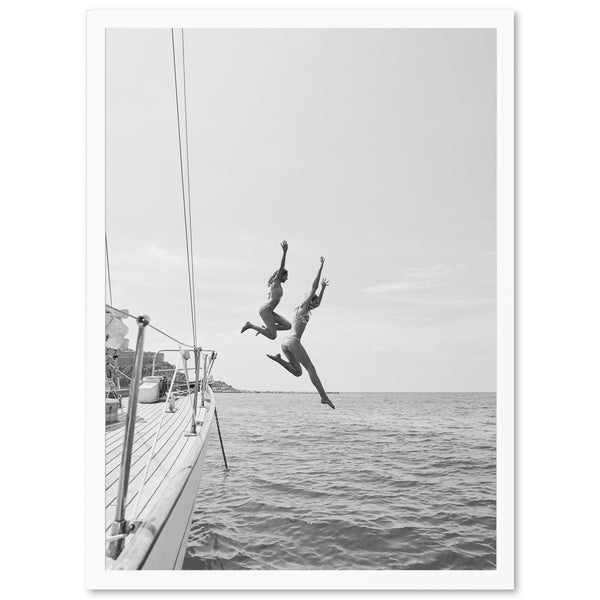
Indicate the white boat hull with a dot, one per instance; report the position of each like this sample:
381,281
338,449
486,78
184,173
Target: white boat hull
160,539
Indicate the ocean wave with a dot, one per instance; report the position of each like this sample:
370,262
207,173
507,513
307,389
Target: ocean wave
408,485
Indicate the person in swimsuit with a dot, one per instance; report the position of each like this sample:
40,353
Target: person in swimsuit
292,347
273,321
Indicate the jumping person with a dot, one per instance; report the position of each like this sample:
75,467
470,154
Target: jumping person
292,346
273,321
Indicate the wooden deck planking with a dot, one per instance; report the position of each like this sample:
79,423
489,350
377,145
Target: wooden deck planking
169,450
172,426
166,445
143,442
171,423
150,414
156,474
141,425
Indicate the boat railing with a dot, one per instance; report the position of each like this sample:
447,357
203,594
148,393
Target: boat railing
119,526
204,361
148,530
206,358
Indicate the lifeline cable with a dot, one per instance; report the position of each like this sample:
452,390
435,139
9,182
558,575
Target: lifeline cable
185,220
108,268
189,194
150,325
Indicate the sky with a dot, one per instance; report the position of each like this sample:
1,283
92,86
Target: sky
373,148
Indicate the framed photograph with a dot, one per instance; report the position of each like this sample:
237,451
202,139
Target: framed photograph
301,225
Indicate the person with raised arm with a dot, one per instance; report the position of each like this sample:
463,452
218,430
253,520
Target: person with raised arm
273,321
292,347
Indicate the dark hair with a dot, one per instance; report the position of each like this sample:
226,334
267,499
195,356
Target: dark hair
274,276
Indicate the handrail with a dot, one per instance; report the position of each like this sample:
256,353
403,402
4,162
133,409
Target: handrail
193,430
204,378
198,352
207,355
162,352
119,525
151,326
171,404
203,351
147,532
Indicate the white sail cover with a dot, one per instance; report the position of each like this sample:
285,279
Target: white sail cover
114,328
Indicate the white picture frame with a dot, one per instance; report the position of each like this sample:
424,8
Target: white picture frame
97,577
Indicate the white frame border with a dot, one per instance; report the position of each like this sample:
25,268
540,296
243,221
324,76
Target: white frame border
96,575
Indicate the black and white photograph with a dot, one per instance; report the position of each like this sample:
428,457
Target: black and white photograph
343,261
307,260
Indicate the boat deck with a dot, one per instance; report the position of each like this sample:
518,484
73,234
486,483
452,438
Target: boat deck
170,451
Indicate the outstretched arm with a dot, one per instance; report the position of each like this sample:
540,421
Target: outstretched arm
313,289
315,284
324,284
284,245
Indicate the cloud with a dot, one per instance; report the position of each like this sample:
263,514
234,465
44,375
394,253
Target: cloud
427,272
466,303
396,286
411,280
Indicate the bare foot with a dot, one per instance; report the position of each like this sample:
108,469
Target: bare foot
327,401
246,326
275,357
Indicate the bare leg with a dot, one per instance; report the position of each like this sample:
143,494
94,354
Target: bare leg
270,331
281,323
294,348
247,326
295,370
259,330
312,373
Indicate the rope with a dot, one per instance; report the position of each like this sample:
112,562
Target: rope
108,268
139,494
118,310
151,326
189,194
187,243
159,427
169,336
165,411
221,439
119,372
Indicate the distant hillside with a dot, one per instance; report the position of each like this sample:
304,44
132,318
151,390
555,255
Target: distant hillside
162,367
221,386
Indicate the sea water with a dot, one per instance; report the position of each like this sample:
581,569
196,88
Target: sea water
385,481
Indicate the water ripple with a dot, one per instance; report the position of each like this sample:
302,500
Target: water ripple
407,484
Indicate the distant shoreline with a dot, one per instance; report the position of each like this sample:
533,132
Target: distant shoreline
234,391
221,391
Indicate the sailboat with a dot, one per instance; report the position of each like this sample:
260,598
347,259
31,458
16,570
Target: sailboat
157,432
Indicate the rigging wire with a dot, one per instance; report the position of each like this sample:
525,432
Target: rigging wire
186,210
191,281
189,195
151,326
108,268
169,336
187,243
